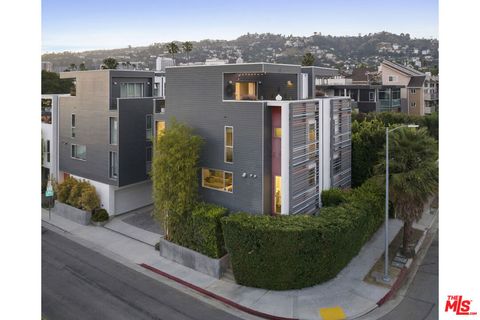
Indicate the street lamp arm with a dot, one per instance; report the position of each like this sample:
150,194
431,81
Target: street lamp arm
403,126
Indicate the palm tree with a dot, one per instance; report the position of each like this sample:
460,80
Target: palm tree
172,48
413,176
308,59
187,48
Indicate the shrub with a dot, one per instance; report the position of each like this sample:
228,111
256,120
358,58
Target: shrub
291,252
333,197
62,190
100,215
79,194
74,198
201,231
89,199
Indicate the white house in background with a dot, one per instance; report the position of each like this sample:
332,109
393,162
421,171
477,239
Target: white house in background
163,62
50,168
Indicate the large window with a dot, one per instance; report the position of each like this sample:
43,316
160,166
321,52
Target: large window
371,96
245,91
131,90
278,195
113,130
79,151
229,144
160,128
217,179
113,165
149,127
73,124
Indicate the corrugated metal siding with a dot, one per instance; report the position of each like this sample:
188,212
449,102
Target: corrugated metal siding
341,152
194,96
132,139
304,164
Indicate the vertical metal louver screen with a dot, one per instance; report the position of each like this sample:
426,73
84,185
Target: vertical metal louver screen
304,144
341,150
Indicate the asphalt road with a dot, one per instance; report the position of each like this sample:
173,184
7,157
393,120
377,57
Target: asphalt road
78,283
421,299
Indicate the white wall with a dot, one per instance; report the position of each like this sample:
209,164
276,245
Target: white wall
133,197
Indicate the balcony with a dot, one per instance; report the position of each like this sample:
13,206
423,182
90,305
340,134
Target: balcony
259,86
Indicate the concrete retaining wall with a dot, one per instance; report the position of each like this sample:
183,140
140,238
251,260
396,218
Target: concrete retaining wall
194,260
71,213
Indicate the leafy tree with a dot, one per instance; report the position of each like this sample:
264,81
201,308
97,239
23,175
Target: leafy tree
413,175
82,67
187,48
73,66
109,63
173,49
175,177
368,139
308,59
51,83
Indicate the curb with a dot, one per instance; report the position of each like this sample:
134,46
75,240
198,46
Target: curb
215,296
398,283
406,269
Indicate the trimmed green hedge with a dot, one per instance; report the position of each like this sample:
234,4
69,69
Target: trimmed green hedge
292,252
202,231
333,197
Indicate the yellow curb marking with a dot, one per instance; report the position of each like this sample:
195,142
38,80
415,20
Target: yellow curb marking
334,313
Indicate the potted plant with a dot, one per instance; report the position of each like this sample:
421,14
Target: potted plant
100,217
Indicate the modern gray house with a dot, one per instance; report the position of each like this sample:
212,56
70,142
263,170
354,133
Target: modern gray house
106,133
270,146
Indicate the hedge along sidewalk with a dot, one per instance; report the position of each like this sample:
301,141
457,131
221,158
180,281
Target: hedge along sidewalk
347,290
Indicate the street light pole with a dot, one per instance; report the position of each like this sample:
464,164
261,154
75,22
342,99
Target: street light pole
386,277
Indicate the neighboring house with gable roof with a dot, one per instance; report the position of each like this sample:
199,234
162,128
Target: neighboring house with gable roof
412,95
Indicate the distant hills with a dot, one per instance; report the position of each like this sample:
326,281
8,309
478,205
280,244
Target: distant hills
343,52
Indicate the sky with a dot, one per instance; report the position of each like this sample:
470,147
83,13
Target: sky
74,25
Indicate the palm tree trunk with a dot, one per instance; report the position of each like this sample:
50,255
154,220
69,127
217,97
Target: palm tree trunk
407,231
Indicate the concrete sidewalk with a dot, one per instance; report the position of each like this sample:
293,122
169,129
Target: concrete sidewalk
347,293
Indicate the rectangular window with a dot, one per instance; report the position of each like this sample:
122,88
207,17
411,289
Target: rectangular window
245,91
277,132
73,124
413,91
149,126
131,90
113,130
278,195
79,151
47,150
217,179
392,78
413,104
371,96
159,106
160,128
228,144
113,165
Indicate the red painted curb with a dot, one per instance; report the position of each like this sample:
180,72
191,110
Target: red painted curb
398,283
214,296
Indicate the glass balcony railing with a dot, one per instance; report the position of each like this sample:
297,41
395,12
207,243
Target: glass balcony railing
395,103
